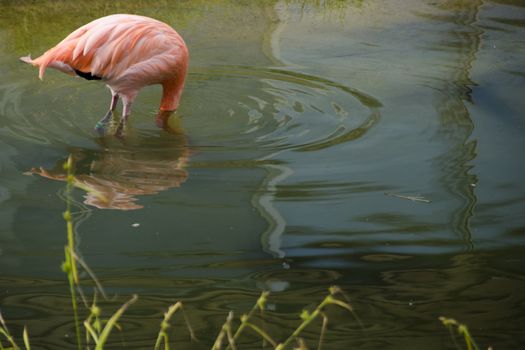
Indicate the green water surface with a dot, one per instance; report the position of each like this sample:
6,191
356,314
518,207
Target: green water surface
375,145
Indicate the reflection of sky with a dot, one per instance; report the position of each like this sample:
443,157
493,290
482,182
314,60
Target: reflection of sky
334,203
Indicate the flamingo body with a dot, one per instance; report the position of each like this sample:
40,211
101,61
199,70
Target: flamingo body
127,52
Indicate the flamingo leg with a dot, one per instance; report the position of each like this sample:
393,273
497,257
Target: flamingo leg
126,111
107,118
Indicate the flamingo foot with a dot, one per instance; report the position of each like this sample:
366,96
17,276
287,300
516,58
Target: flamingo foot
119,131
163,121
100,126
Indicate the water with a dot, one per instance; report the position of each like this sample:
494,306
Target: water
309,128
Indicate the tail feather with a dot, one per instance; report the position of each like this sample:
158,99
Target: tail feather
27,59
42,64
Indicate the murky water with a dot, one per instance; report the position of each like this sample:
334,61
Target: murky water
376,145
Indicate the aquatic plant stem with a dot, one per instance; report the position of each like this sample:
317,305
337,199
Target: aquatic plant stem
164,326
73,298
323,331
226,331
9,339
309,317
5,332
260,304
306,321
262,333
112,322
69,266
462,330
25,336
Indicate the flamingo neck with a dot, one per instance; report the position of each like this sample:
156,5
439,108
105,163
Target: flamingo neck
171,92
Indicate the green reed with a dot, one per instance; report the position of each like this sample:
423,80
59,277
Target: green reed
69,266
306,317
93,324
165,325
7,335
461,330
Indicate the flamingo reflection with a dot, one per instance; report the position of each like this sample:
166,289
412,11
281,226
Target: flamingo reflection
120,172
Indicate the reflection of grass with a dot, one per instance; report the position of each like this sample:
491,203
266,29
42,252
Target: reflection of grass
27,17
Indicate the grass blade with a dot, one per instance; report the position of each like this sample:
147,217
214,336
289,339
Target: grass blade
26,339
112,322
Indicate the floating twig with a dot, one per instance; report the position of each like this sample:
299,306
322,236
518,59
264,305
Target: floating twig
411,198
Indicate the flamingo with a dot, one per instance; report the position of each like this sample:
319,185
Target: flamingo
127,52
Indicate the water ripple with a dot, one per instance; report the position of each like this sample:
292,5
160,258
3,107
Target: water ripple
291,110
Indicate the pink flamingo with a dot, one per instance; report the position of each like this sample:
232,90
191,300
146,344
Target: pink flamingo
127,52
